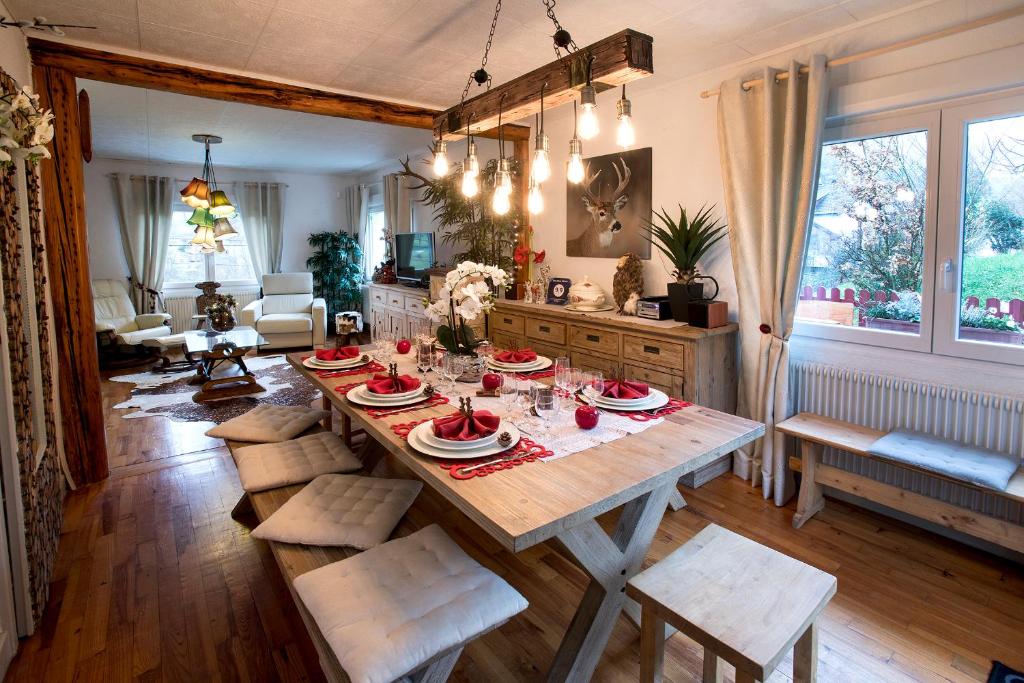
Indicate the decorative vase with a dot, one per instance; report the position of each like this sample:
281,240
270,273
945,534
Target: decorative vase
222,321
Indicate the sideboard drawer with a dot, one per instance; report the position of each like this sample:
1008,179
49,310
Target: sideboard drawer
545,330
590,362
508,322
551,352
396,300
666,354
591,338
670,384
414,304
504,341
378,296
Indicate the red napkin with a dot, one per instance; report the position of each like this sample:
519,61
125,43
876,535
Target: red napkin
624,389
520,356
385,384
344,353
462,428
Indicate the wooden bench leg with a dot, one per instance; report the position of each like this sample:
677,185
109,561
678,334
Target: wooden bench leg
652,647
812,497
242,507
676,501
328,421
805,656
744,677
439,670
712,668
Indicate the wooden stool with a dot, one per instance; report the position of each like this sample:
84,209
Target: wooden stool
743,602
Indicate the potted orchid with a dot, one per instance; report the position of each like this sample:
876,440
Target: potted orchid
25,129
467,294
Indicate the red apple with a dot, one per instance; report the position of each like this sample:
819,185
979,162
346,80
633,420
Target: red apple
403,346
491,381
586,417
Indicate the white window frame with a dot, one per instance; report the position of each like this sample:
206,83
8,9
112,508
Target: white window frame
879,126
209,263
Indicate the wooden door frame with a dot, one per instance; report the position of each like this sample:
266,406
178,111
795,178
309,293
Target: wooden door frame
55,65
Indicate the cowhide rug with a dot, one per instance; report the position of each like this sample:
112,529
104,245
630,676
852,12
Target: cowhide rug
170,395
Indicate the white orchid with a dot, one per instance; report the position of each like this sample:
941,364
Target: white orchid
469,309
21,101
468,293
25,130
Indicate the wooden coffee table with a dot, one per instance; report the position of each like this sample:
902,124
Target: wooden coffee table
213,352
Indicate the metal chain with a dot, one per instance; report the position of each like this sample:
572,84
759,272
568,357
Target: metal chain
487,50
549,7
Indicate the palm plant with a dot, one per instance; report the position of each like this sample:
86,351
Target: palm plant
686,240
337,271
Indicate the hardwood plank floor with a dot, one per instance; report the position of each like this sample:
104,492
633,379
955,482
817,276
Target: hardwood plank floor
155,582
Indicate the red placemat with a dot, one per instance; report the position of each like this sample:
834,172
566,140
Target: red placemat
377,413
523,452
372,366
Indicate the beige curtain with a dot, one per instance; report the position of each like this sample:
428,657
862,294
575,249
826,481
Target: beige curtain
262,209
396,204
770,141
359,225
144,215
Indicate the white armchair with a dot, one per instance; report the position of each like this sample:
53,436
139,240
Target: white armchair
115,315
288,315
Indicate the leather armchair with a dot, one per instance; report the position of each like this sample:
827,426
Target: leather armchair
288,315
115,315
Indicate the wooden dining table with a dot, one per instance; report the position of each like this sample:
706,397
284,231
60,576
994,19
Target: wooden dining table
561,499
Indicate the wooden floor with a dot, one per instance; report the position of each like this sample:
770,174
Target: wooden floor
156,582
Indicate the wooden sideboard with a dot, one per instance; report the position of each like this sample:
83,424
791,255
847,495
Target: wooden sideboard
691,363
398,307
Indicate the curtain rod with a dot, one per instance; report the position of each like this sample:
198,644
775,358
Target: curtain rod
910,42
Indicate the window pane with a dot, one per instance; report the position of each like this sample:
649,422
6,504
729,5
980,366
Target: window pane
183,265
377,243
234,263
992,286
864,264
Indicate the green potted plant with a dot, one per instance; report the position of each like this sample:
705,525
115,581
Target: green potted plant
684,242
336,269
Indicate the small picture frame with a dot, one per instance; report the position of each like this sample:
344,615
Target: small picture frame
558,291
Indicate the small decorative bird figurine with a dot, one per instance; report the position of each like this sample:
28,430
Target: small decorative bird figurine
628,283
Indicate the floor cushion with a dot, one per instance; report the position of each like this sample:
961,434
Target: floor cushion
277,323
979,466
341,510
387,611
270,465
268,423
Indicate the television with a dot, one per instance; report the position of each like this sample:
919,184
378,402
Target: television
414,255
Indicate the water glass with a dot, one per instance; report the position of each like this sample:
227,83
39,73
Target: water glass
424,357
547,405
437,361
508,390
453,367
593,386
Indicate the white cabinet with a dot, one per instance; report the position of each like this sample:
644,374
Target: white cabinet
399,309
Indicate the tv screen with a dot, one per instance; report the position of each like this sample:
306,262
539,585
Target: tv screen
414,253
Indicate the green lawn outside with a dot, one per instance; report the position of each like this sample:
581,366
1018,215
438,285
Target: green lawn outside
1000,276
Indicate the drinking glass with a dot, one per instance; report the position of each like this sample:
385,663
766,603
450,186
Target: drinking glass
593,386
509,391
424,331
547,405
452,368
437,361
424,357
562,369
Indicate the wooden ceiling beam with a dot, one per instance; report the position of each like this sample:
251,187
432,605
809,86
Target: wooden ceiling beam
141,72
621,58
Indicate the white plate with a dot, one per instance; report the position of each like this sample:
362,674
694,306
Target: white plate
589,309
404,394
627,402
360,396
418,443
432,440
541,363
315,364
656,399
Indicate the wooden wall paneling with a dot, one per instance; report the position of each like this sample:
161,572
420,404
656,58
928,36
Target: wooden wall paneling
68,253
521,151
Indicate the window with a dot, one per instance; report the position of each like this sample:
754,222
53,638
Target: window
377,246
185,266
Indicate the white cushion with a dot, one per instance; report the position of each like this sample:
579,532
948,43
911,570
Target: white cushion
287,283
139,336
268,423
271,465
981,466
288,303
387,611
341,509
285,322
112,305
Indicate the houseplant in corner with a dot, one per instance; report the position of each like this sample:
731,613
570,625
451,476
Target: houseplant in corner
335,265
684,242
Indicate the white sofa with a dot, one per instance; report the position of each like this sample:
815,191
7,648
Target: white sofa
115,315
288,315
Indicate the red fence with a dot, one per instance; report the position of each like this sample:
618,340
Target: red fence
1013,308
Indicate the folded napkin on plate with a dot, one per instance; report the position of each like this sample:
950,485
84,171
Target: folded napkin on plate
520,356
624,389
343,353
461,428
386,384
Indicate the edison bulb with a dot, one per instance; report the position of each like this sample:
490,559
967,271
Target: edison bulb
540,169
440,164
625,136
589,127
500,202
470,186
472,164
535,200
574,173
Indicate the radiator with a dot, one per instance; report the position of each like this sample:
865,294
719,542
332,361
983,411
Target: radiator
882,402
182,307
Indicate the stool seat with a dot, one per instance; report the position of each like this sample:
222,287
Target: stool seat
165,342
742,601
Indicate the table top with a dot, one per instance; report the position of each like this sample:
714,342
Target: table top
196,341
536,501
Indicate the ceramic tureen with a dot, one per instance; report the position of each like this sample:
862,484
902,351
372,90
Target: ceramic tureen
586,294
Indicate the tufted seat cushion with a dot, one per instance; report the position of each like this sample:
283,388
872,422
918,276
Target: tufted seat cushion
389,610
268,423
270,465
341,509
980,466
275,323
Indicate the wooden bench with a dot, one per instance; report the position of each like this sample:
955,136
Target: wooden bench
815,432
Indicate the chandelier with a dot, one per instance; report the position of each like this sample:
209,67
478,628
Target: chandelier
212,206
586,125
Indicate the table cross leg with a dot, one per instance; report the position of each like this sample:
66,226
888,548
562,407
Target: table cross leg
611,562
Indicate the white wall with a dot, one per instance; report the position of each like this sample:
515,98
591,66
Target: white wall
312,203
14,52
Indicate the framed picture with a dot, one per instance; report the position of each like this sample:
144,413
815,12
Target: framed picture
558,291
605,212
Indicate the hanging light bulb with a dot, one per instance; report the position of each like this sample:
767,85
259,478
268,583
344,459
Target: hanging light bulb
625,136
540,169
470,184
574,172
440,158
500,202
503,177
535,200
589,127
472,164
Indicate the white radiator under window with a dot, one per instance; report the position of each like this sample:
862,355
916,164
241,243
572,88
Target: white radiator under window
882,402
182,306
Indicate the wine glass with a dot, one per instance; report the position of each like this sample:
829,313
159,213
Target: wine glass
437,361
452,368
508,390
593,386
547,405
562,369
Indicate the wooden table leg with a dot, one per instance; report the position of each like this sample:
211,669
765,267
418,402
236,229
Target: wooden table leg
744,677
805,656
652,647
611,562
712,668
242,507
812,497
676,501
326,404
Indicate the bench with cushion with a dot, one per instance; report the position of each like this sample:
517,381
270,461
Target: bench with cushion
991,472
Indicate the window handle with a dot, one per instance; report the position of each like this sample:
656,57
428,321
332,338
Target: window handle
947,275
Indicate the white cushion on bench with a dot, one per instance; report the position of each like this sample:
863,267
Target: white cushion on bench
270,465
342,510
979,466
389,610
267,423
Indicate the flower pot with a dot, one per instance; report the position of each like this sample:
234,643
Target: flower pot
994,336
680,296
904,326
222,322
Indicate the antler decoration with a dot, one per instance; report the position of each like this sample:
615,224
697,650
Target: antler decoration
466,406
393,371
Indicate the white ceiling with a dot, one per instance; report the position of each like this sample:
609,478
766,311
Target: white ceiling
422,51
133,123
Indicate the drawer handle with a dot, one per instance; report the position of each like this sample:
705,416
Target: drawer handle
508,321
544,328
652,349
593,338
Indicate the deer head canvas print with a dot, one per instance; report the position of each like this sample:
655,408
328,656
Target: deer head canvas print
605,212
